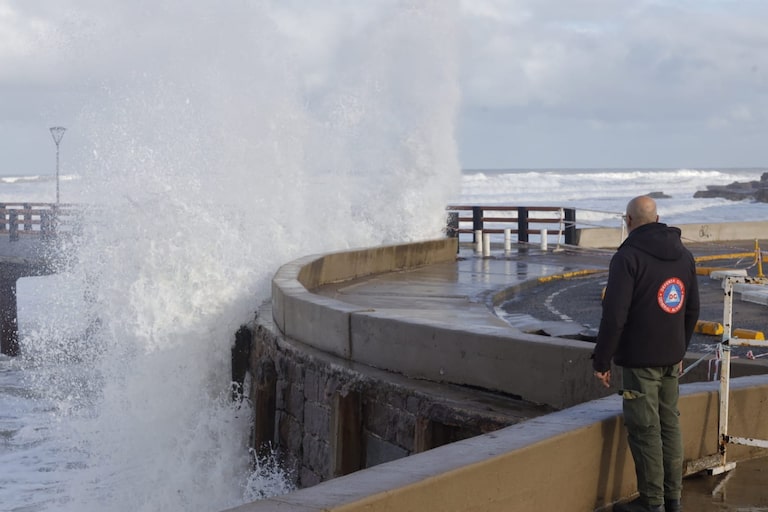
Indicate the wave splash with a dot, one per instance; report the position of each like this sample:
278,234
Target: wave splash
211,163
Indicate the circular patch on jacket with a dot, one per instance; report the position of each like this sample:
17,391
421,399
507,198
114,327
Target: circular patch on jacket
671,295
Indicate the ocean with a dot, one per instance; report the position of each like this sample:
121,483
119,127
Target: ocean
600,195
120,401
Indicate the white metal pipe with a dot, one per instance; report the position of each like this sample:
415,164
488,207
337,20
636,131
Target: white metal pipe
543,239
507,239
486,245
478,240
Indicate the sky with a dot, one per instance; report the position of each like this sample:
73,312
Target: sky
543,83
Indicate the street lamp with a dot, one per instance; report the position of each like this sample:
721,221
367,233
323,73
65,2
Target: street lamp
58,133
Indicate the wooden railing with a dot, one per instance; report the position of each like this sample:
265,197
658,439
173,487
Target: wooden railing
521,221
46,219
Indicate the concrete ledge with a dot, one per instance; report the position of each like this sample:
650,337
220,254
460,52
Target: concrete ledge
422,344
432,344
580,453
324,322
718,232
551,372
347,265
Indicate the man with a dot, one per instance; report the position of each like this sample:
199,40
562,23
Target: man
650,309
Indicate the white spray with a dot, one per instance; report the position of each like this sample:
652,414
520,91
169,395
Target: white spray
225,139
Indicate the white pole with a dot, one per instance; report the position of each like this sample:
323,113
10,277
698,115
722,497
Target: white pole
478,240
507,239
486,245
543,239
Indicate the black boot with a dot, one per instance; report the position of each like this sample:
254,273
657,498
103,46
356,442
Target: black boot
672,506
637,505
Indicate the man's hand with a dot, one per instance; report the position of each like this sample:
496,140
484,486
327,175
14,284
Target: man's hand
604,377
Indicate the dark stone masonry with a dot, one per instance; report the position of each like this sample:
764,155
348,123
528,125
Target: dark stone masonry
326,417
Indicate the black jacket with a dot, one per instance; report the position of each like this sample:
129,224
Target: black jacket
651,303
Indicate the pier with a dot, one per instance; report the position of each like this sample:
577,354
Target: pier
29,241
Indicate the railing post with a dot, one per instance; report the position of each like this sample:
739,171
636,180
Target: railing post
3,224
477,221
46,225
9,337
13,228
27,217
522,224
570,226
452,229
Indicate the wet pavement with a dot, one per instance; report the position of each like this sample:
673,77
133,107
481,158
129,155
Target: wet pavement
548,306
743,489
558,292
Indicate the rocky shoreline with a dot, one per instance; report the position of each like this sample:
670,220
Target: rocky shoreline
739,190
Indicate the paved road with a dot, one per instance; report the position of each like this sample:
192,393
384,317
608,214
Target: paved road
578,300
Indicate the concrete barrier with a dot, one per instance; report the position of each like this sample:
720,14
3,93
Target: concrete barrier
712,232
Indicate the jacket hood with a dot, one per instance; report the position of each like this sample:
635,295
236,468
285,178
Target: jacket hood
657,239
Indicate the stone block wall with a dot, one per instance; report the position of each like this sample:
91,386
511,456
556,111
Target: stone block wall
328,417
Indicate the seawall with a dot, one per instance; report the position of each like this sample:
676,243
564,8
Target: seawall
711,232
319,398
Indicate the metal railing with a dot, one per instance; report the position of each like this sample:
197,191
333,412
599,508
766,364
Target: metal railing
521,221
719,463
36,219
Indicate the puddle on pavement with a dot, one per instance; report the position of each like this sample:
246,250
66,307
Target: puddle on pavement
743,489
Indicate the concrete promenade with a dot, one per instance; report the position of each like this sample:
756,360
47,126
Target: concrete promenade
579,451
474,285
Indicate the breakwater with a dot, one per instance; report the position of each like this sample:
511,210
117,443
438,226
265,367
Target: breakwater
31,235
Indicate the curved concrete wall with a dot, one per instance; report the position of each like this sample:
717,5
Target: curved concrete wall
430,345
302,315
578,455
420,346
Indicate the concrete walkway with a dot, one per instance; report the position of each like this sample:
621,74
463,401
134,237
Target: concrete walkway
466,291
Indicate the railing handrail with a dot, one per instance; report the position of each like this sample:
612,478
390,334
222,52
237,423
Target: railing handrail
565,220
33,218
502,208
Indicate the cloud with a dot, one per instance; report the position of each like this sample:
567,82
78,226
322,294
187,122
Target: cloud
650,68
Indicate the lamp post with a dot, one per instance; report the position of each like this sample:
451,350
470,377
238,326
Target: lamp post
58,133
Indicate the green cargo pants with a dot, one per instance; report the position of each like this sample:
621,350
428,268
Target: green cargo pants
653,427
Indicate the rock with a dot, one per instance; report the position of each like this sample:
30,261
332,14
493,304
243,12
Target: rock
739,191
658,195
